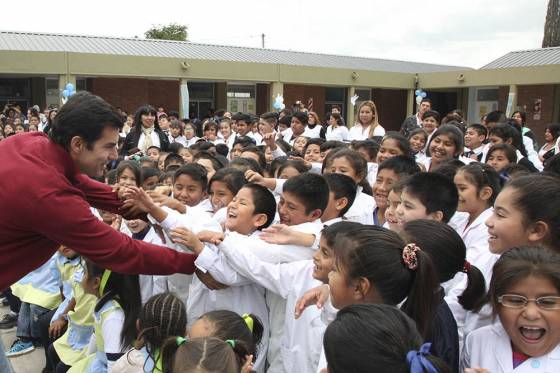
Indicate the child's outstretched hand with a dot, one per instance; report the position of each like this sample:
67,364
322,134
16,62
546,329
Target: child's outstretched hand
270,140
317,296
139,197
187,238
117,221
215,238
279,234
254,177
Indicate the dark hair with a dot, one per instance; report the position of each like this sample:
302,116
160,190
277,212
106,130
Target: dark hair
342,186
356,161
84,115
370,146
313,141
216,164
264,202
148,172
133,167
448,253
301,116
211,125
286,119
222,149
229,325
519,263
172,157
271,118
425,99
244,164
435,191
294,163
479,128
381,332
332,144
175,123
401,165
495,116
507,132
454,134
554,129
260,154
111,175
509,152
338,119
533,199
376,253
143,110
432,114
244,141
552,165
195,171
418,131
402,143
242,117
203,355
449,168
523,116
311,190
123,289
164,315
234,179
175,147
482,175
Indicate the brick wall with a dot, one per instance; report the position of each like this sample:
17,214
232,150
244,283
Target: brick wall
391,106
526,96
130,93
293,93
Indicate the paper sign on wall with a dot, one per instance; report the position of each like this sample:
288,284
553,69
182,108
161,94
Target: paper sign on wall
537,109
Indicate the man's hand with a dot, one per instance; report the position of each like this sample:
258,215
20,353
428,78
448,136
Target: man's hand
139,198
209,281
57,328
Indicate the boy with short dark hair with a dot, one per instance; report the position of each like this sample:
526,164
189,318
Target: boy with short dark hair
475,136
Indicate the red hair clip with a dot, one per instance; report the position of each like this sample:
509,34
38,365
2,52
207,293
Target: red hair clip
409,255
466,267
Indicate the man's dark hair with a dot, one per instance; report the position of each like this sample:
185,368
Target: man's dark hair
84,115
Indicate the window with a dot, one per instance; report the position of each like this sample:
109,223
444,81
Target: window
241,91
201,91
487,94
363,94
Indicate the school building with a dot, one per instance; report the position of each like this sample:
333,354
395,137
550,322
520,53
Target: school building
194,78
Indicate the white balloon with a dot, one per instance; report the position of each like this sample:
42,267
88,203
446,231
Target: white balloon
418,100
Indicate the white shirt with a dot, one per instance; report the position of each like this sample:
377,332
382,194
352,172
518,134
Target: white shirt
490,347
357,132
339,133
180,139
288,134
155,140
314,132
532,155
192,141
255,136
475,236
361,210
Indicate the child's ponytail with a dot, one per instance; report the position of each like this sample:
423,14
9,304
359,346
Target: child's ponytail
473,297
423,297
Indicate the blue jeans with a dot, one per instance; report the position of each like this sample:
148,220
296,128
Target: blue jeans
5,366
28,321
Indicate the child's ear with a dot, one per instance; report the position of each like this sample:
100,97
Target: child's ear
437,216
259,220
96,284
365,291
341,203
538,231
316,214
138,325
485,193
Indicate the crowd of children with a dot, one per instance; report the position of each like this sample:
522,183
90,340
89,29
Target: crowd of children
319,248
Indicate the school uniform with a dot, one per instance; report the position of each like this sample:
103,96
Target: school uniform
444,336
72,346
532,155
105,344
339,133
475,236
358,132
420,156
372,172
477,151
361,210
150,284
191,141
255,136
179,139
280,343
490,348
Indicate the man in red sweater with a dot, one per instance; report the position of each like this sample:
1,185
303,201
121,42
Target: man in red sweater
46,192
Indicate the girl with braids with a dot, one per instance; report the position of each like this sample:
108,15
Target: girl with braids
163,316
115,316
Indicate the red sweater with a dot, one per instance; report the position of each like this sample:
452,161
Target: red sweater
45,201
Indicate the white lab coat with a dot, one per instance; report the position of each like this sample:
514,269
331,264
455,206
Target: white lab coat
490,348
475,236
357,132
361,210
276,304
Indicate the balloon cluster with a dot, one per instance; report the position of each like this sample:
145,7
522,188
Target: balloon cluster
69,91
279,102
420,94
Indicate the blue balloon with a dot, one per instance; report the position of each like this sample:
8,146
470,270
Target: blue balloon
65,93
423,94
418,92
70,87
71,93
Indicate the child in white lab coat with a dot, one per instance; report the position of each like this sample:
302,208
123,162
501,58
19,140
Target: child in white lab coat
525,295
478,185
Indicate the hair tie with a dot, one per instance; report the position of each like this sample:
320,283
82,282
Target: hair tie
104,280
249,321
231,342
466,266
181,340
418,362
409,255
